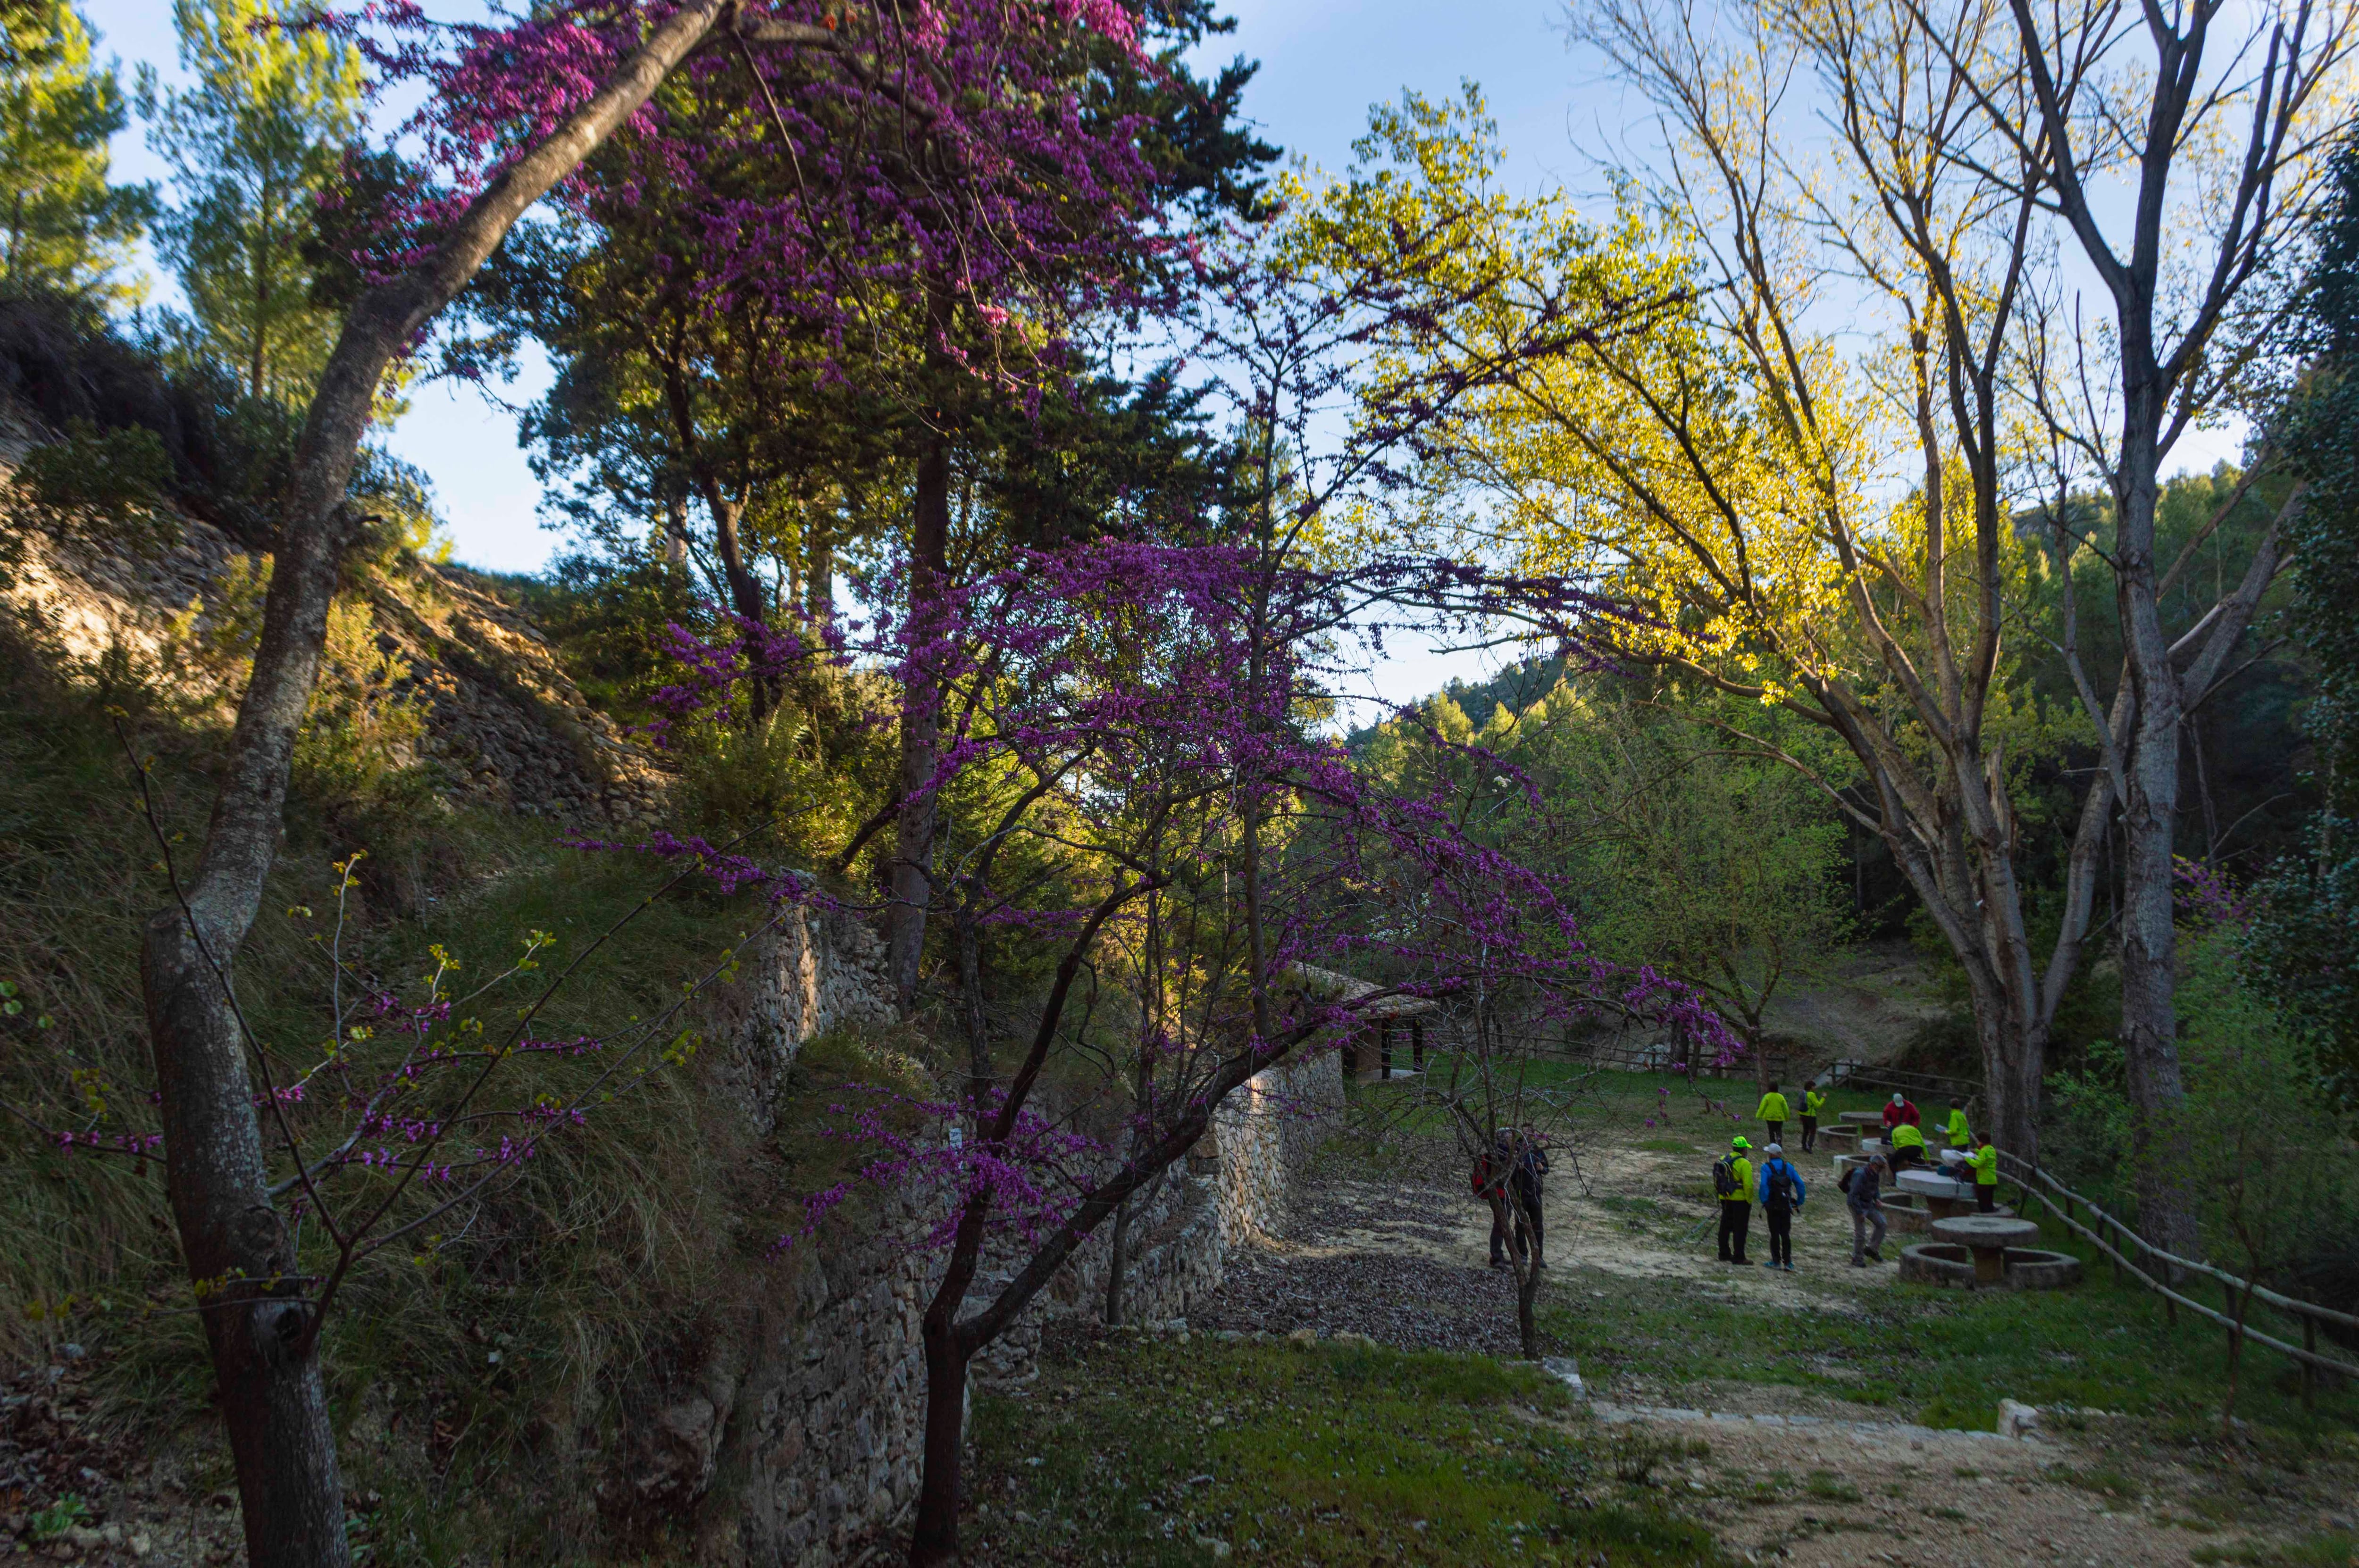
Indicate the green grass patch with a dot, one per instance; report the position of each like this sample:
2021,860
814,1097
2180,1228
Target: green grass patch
1946,1359
1827,1487
2102,1479
1142,1452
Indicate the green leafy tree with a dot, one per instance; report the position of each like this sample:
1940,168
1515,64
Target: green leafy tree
2306,939
1714,864
63,226
253,142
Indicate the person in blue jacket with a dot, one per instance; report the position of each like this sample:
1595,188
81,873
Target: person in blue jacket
1781,1193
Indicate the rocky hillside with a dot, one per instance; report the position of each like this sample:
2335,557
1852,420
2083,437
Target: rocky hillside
493,704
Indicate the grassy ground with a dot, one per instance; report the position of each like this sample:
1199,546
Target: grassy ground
1152,1452
1943,1357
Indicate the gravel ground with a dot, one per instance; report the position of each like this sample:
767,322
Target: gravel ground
1401,1260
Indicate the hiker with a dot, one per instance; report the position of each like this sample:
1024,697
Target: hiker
1490,1184
1985,1164
1781,1198
1862,1190
1907,1146
1732,1183
1772,1110
1898,1110
1531,1164
1814,1100
1955,1129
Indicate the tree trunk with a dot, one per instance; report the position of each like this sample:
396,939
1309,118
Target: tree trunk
1117,1235
819,575
2015,1063
1525,1224
266,1357
264,1346
935,1539
2149,933
913,859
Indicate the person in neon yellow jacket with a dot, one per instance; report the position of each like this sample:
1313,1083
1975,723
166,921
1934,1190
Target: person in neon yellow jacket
1813,1101
1907,1146
1985,1164
1955,1129
1732,1183
1772,1110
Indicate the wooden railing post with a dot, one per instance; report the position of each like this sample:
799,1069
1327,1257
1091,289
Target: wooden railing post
2309,1372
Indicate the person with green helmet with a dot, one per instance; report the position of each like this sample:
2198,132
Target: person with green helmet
1955,1131
1985,1164
1814,1102
1773,1111
1732,1183
1907,1146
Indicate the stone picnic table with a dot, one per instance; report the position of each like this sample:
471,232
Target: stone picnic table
1987,1236
1944,1194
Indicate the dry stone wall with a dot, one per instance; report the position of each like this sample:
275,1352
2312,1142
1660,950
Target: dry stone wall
811,970
816,1443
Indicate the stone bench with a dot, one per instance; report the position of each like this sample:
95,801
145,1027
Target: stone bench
1980,1252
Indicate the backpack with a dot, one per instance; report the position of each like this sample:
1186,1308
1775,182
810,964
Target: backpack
1849,1172
1781,1186
1723,1177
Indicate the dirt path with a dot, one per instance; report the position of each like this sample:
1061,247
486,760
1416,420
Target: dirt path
1821,1495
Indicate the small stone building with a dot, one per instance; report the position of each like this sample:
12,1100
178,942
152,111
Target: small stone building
1390,1029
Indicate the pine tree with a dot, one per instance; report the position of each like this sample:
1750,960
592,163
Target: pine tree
62,226
252,143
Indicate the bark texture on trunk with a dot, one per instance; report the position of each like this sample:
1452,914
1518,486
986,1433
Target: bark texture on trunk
2150,928
935,1540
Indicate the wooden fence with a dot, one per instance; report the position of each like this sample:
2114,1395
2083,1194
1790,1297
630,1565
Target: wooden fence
2066,1206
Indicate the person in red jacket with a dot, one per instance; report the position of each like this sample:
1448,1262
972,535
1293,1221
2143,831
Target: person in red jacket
1898,1109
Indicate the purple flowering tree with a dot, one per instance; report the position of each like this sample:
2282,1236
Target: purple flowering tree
512,110
1148,813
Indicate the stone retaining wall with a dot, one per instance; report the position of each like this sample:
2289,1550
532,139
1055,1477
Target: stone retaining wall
814,1431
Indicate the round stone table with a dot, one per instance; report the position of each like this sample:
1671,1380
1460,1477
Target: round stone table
1862,1122
1944,1194
1987,1236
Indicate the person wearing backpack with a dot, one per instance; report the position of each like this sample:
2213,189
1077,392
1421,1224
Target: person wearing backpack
1524,1188
1732,1183
1772,1111
1814,1100
1489,1181
1781,1193
1862,1187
